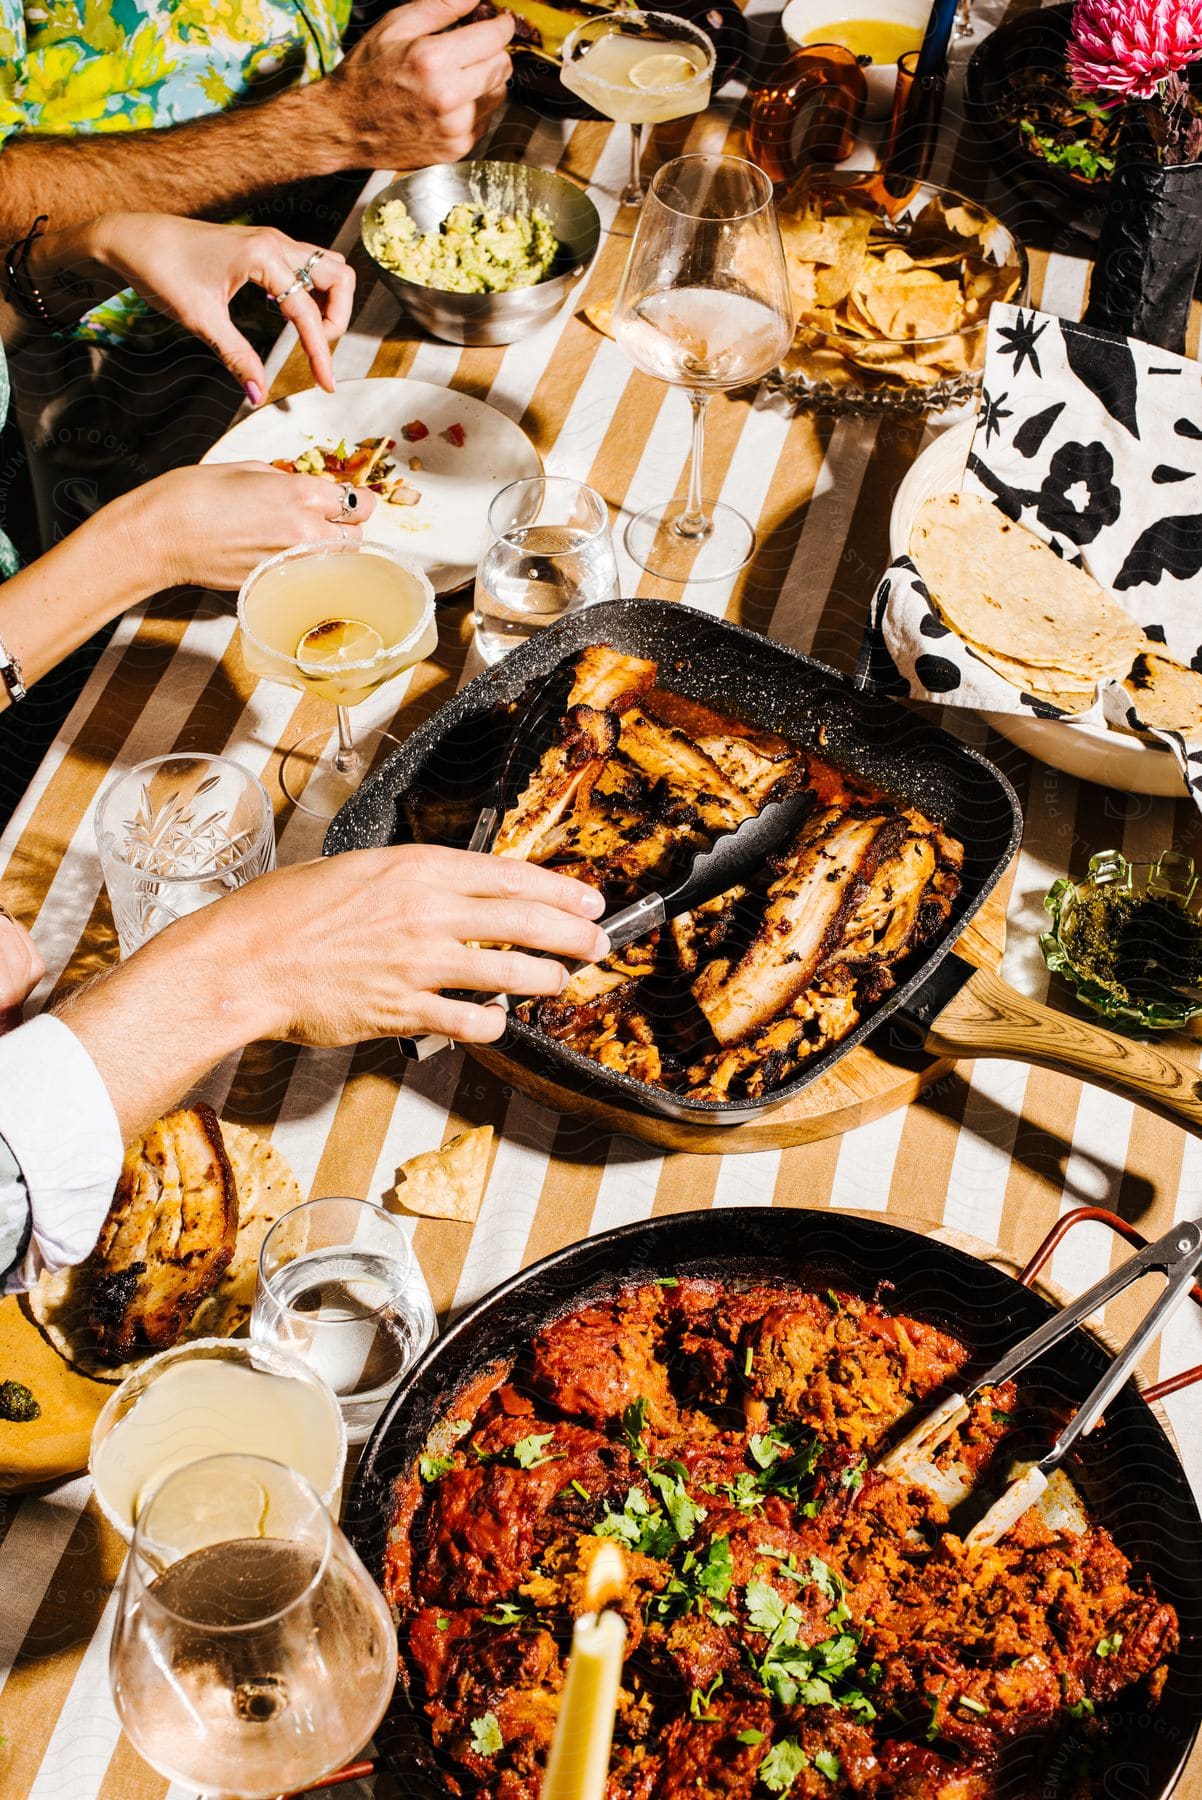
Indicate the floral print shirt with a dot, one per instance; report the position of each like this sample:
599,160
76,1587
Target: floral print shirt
74,67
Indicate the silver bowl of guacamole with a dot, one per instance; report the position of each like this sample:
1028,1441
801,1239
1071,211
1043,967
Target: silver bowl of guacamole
481,252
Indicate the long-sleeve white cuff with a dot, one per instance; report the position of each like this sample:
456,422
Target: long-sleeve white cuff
58,1120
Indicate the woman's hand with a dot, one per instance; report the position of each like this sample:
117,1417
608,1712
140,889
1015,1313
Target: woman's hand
21,968
191,271
212,524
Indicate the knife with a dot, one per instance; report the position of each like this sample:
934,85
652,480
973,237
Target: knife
728,859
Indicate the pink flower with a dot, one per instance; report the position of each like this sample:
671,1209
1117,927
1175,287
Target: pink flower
1130,46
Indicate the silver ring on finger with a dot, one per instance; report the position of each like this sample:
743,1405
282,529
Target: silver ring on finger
349,505
301,279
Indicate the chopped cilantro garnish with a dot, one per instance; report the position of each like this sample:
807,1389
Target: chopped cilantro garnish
743,1492
634,1419
442,1624
668,1481
431,1468
699,1701
787,1456
782,1765
486,1735
828,1764
998,1416
749,1736
1108,1645
667,1281
506,1612
531,1452
853,1478
640,1526
1084,1709
793,1672
714,1575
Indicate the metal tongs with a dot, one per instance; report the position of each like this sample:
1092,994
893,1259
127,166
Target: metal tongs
1178,1256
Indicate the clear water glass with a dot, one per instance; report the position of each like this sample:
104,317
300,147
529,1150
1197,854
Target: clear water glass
252,1652
548,551
175,834
339,1288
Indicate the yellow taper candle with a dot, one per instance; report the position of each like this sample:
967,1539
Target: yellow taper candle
579,1761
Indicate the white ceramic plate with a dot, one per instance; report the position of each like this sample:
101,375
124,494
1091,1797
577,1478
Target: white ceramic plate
1090,752
444,531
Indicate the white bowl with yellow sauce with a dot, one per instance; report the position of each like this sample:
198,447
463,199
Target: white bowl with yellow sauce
881,30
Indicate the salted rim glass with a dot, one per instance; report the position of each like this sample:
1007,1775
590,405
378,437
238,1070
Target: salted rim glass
370,548
675,28
109,842
316,778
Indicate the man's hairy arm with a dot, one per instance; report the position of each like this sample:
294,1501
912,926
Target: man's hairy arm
207,169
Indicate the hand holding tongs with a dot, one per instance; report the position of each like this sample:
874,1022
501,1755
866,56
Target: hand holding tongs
728,860
1178,1256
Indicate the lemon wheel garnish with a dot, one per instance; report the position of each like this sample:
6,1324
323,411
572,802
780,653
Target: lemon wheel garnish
339,641
235,1501
666,69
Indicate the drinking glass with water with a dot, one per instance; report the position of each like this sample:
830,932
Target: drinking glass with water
547,552
339,1288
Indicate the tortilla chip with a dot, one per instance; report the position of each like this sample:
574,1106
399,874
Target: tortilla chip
266,1189
1166,695
999,586
448,1183
600,317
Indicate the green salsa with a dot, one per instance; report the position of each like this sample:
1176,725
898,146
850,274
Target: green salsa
476,249
1137,948
17,1404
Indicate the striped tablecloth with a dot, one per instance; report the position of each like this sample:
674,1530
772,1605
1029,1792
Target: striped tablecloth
996,1150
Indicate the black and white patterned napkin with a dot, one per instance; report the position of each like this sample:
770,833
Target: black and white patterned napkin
1094,443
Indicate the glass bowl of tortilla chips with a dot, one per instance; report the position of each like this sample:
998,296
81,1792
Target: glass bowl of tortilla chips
892,292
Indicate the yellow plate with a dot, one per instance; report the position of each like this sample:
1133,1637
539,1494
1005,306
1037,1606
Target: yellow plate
56,1443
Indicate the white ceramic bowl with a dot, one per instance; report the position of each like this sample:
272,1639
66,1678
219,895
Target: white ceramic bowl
1076,747
802,18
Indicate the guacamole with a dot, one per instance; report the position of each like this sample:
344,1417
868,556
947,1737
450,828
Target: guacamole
476,249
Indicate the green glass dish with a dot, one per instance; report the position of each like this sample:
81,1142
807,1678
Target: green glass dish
1157,1005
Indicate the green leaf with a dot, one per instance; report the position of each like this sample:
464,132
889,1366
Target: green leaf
507,1612
668,1481
634,1420
431,1468
766,1611
834,1299
486,1735
667,1281
530,1452
1084,1709
717,1571
743,1492
699,1701
853,1478
782,1765
1108,1645
442,1624
749,1736
828,1764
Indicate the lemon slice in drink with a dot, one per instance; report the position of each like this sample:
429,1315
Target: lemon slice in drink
666,69
229,1498
339,641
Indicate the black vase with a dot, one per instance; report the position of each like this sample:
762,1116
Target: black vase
1150,249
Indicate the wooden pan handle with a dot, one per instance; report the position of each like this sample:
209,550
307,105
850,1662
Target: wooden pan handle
987,1017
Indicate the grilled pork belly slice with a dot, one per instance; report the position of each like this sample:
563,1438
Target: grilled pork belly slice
802,924
562,780
754,761
822,1016
609,681
667,755
168,1237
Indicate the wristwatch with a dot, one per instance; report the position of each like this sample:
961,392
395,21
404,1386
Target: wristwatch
10,674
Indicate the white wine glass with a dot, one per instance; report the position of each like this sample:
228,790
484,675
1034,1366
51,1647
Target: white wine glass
703,304
336,620
639,69
252,1652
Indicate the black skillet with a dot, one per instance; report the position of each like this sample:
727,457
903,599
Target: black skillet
941,1004
1126,1471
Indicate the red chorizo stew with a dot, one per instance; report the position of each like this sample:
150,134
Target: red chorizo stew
798,1624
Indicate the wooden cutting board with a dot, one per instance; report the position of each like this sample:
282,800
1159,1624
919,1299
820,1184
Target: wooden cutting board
861,1087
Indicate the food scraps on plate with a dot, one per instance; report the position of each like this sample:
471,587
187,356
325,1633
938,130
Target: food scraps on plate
889,300
1043,624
